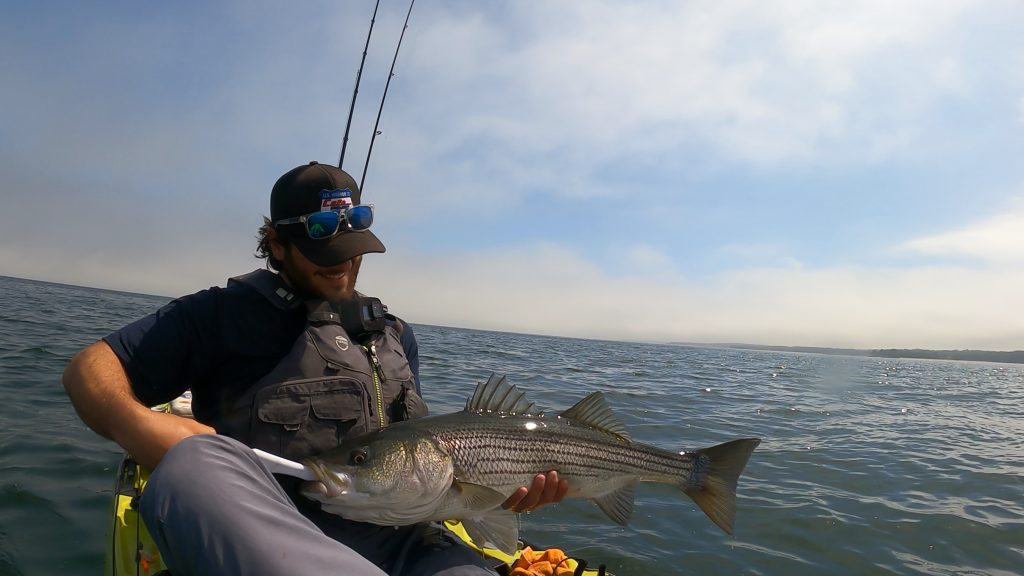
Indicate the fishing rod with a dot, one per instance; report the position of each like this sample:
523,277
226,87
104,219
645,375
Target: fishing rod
355,92
391,75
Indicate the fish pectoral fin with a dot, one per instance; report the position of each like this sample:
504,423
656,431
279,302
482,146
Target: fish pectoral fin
618,504
498,529
476,496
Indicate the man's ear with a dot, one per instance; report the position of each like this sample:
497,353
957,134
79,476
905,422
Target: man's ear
277,249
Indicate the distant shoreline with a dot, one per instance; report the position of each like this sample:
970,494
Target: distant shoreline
1015,357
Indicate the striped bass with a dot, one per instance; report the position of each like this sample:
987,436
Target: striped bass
464,465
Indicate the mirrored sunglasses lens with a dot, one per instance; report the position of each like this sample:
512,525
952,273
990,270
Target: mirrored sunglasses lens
359,217
322,224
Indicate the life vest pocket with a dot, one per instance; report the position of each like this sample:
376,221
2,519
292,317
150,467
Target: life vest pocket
300,419
408,405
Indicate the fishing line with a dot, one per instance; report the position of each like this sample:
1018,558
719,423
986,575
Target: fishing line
355,92
391,75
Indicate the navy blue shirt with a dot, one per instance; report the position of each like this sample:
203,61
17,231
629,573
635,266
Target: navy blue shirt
216,342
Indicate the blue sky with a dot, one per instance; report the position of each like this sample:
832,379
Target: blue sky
801,173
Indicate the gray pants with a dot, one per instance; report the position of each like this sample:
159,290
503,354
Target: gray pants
213,508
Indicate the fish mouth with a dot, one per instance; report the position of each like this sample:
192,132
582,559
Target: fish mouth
328,485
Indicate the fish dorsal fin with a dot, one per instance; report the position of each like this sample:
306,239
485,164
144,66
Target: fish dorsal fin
497,395
618,505
593,411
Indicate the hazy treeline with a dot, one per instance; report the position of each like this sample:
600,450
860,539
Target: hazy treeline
1016,357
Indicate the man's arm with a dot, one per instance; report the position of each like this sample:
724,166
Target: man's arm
411,348
100,391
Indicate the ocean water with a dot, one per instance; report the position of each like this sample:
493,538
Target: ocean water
867,466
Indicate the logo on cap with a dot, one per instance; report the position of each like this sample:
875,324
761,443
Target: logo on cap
335,200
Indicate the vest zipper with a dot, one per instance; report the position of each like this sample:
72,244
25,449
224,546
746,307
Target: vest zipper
378,375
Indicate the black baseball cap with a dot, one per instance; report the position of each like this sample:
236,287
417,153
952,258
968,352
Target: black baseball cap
310,188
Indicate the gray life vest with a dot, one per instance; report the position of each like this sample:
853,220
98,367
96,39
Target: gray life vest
327,388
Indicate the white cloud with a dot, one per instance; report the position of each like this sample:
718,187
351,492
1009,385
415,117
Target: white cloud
948,73
156,271
999,239
643,258
598,82
548,289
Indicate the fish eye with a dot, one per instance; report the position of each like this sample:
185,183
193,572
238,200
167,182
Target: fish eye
358,456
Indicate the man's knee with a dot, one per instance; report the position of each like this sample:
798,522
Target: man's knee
198,469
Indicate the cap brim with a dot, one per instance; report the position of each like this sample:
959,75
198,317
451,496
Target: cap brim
342,247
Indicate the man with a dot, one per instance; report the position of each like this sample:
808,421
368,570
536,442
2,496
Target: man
287,362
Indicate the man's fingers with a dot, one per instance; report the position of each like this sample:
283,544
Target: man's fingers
512,503
563,489
545,489
535,494
550,488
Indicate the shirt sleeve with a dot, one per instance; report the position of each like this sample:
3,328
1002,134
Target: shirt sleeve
171,350
412,352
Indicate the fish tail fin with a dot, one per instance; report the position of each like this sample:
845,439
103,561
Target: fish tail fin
712,484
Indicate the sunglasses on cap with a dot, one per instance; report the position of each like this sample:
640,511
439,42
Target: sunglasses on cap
323,225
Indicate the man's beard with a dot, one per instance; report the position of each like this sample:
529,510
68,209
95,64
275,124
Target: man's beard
303,286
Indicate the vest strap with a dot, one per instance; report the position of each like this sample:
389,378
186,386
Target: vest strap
271,286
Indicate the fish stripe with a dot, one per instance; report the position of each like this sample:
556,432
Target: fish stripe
497,453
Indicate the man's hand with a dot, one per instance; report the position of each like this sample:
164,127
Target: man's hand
546,489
